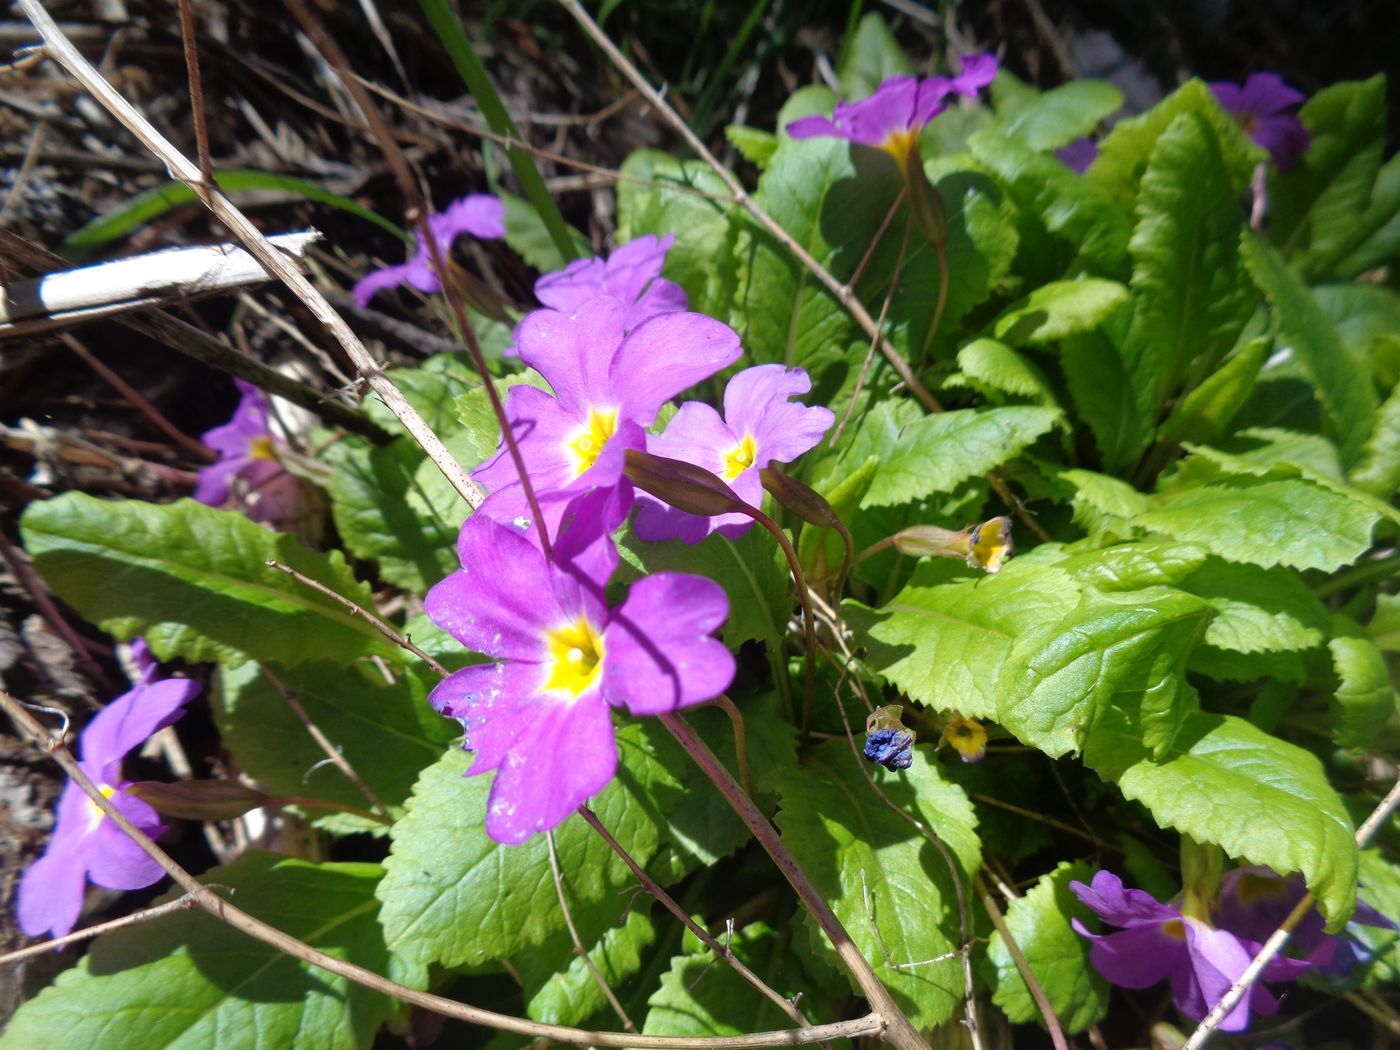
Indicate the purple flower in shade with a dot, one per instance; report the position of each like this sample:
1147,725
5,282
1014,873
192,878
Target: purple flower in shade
1159,943
1260,107
608,385
541,715
478,214
1254,901
760,426
248,466
1078,155
893,116
85,843
632,273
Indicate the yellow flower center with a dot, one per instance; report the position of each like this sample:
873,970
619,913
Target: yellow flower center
740,458
990,544
1175,929
968,738
95,814
261,448
899,144
585,444
575,658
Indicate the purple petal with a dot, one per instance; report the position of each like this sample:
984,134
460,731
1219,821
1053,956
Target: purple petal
564,755
978,71
697,434
1078,155
656,522
142,658
50,897
478,214
1135,958
1265,94
661,297
214,480
666,355
418,273
1122,907
1217,958
1284,137
892,109
130,720
499,601
585,549
660,655
487,699
115,861
635,265
542,428
575,352
756,402
567,289
376,281
813,127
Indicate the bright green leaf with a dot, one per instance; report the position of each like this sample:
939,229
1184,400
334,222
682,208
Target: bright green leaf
1059,116
1257,610
997,366
1204,414
1366,696
870,57
1059,309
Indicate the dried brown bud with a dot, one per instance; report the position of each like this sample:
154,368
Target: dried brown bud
199,799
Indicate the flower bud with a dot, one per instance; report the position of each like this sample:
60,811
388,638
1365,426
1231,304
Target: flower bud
799,498
888,742
682,485
925,203
199,799
929,541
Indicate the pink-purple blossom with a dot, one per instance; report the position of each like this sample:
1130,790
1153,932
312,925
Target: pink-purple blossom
86,844
1158,943
608,386
249,469
631,273
1262,106
893,116
760,425
1078,155
540,716
478,214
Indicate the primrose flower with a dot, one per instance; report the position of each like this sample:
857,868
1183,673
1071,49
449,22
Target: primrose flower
893,116
478,214
1260,107
967,737
760,426
1254,901
541,715
86,845
1159,943
248,467
632,273
608,385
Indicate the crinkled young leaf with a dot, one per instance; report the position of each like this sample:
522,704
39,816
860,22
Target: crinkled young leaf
839,830
387,732
1261,799
1125,649
1257,610
1378,468
1366,696
188,980
1057,955
995,365
1126,566
432,388
195,581
1059,309
1379,229
1204,414
453,896
944,645
1191,291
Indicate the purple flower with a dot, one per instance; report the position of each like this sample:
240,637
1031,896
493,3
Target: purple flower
86,845
608,385
1159,943
893,116
1260,107
632,273
541,715
248,466
1254,901
760,426
478,214
1078,155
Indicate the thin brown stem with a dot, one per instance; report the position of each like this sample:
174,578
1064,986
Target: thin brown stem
201,125
880,324
17,561
942,251
579,949
859,271
871,1024
364,614
741,740
1042,1002
136,918
899,1032
323,742
809,629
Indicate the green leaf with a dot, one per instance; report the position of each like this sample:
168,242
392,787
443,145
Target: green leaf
1121,649
571,996
1384,627
843,491
1257,610
1059,309
195,581
187,979
529,235
453,896
997,366
1073,209
1343,383
153,203
751,570
1109,396
1319,207
1059,116
1191,291
754,145
1378,468
1126,150
870,57
386,731
944,646
1265,520
934,453
854,848
1261,799
1204,414
1379,227
1365,693
1057,955
1128,566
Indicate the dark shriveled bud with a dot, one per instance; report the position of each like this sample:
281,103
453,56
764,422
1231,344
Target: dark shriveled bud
199,799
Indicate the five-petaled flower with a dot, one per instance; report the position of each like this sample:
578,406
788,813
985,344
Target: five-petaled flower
478,214
86,844
541,715
893,116
760,426
1159,943
1261,107
631,273
249,468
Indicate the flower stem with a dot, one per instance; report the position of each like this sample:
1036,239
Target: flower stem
741,740
809,629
